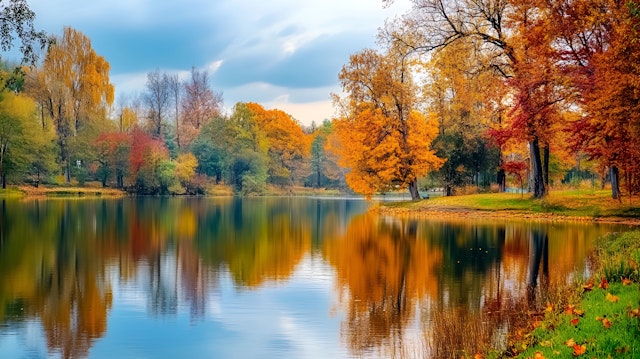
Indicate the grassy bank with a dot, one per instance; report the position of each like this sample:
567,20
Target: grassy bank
569,204
599,318
42,191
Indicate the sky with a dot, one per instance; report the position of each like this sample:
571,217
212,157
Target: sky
283,54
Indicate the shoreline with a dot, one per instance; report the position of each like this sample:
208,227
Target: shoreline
463,213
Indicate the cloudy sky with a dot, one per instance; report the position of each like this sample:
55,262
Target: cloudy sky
283,54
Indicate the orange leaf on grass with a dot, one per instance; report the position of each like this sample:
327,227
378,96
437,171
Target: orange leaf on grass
575,321
611,298
570,342
606,323
604,284
587,287
569,309
538,355
626,281
579,349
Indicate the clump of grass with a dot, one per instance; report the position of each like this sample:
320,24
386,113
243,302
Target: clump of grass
458,334
619,256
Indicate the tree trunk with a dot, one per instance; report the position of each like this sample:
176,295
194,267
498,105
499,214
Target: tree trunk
539,189
545,168
413,189
502,181
615,187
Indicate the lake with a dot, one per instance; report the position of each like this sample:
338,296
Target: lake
267,277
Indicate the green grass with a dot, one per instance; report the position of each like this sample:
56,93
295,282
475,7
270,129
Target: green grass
571,203
603,318
621,339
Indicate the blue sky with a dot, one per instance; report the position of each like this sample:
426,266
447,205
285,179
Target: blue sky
283,54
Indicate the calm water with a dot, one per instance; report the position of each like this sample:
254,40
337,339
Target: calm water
259,278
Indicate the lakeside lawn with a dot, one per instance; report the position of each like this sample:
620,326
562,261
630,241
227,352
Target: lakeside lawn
599,318
575,204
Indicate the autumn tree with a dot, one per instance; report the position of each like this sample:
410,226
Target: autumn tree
73,88
384,141
199,106
157,99
513,35
148,163
126,114
457,100
596,44
288,146
113,157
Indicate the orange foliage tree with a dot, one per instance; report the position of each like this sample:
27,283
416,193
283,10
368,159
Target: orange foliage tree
384,141
289,146
513,36
598,45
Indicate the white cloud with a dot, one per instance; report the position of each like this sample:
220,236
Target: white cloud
247,40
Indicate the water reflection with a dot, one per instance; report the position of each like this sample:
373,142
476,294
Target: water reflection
398,287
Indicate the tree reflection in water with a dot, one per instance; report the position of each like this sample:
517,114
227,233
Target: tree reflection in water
407,287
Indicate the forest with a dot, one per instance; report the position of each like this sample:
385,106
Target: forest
459,95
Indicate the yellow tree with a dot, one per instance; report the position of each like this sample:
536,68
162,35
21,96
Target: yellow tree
289,147
73,88
384,141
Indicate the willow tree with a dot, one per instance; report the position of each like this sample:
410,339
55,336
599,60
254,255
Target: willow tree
73,88
384,141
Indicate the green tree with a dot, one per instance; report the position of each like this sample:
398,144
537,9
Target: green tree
213,148
325,171
249,162
26,148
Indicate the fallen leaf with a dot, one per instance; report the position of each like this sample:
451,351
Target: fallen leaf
549,308
606,323
604,284
626,281
578,312
570,342
579,349
575,321
599,318
569,309
634,313
546,343
587,287
611,298
478,356
538,355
